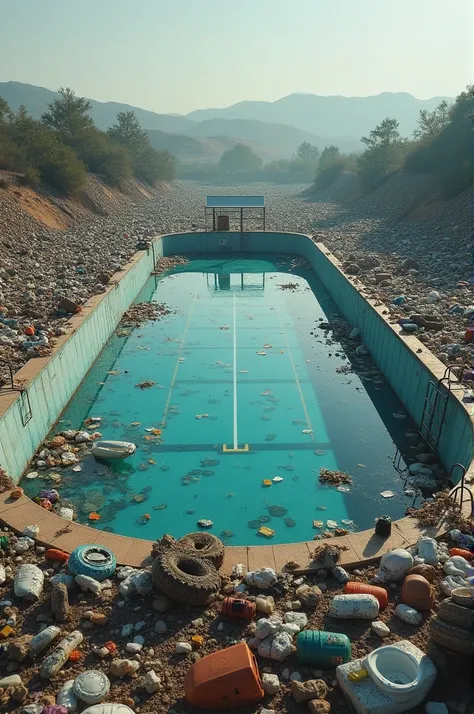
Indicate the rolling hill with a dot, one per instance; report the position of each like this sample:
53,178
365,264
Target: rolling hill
332,116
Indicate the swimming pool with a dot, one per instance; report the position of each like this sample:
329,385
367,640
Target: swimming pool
255,380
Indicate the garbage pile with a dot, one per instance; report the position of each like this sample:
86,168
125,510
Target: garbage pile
77,630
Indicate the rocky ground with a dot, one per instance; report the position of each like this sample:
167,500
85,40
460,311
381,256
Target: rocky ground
148,632
69,252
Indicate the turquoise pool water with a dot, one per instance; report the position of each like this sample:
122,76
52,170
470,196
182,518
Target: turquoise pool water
234,331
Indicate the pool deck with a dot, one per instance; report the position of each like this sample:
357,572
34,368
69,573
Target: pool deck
361,548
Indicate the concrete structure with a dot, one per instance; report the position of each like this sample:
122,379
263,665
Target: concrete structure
51,382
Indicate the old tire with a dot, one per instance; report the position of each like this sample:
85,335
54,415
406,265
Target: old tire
97,561
185,578
458,615
451,637
204,545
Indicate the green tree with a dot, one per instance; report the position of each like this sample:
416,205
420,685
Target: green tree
148,164
329,156
383,155
239,159
307,153
430,124
69,116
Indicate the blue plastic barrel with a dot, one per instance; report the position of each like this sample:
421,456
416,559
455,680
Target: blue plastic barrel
323,649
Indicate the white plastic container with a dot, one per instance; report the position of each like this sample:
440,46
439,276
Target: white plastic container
354,607
66,697
53,663
44,638
108,709
29,581
91,686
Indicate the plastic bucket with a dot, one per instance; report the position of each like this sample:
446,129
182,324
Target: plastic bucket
323,649
354,588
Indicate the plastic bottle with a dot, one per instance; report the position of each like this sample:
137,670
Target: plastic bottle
357,607
355,588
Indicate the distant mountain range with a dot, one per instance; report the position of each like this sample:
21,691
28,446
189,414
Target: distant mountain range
272,129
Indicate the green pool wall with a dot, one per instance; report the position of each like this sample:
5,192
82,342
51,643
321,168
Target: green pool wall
52,381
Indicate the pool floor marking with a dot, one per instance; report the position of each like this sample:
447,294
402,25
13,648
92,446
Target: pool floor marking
297,381
235,448
180,350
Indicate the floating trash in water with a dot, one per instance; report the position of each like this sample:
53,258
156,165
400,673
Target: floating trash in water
331,524
267,347
202,416
213,401
138,498
266,393
152,462
207,472
142,467
322,508
270,437
347,522
289,522
287,467
135,423
243,371
319,452
277,479
361,466
387,494
210,462
399,415
94,516
266,482
190,511
205,523
195,472
410,492
267,532
224,327
343,489
262,353
114,373
145,384
318,524
277,511
230,495
32,474
160,507
142,520
307,431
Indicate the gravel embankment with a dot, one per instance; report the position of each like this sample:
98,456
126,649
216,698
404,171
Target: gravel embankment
40,265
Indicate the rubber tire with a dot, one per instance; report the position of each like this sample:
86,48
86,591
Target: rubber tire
185,578
451,637
456,614
79,565
204,545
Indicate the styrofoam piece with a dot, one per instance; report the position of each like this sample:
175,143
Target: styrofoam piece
367,699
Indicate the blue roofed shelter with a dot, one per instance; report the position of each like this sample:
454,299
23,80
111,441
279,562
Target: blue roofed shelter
239,209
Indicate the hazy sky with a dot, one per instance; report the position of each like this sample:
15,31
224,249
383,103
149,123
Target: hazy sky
180,55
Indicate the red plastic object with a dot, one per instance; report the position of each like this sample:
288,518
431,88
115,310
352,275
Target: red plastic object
353,588
57,555
463,553
238,609
226,679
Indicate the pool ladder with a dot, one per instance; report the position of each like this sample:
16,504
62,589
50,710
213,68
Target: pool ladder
25,406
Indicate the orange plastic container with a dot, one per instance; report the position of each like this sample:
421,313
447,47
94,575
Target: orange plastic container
238,609
226,679
353,588
463,553
57,555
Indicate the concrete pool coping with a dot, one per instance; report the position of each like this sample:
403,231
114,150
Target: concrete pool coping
362,548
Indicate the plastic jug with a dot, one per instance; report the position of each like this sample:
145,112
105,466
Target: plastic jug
323,649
